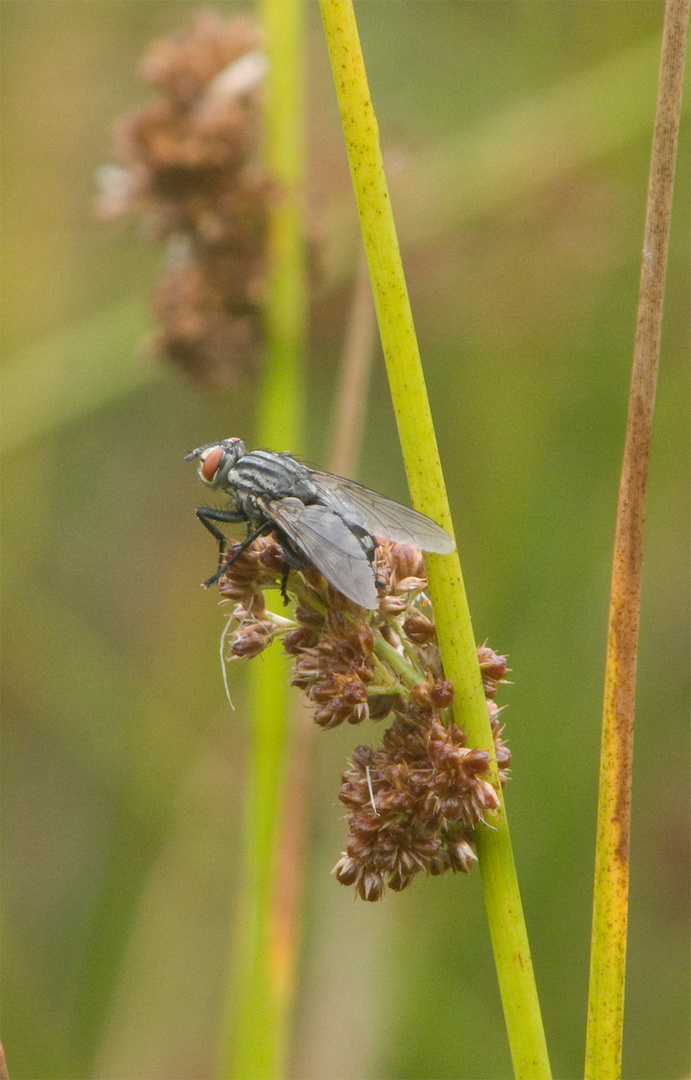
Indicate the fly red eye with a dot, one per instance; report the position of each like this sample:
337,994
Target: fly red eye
210,463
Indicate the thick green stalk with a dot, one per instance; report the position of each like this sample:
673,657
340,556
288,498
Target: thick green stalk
259,996
610,896
418,444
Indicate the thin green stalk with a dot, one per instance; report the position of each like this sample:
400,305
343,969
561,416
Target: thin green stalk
418,444
398,663
254,1037
281,406
610,897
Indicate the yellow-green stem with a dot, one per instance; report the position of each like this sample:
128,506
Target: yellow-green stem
260,990
610,896
423,467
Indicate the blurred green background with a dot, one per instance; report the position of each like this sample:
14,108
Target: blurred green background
518,138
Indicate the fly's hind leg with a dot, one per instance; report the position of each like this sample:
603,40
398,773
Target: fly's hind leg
284,584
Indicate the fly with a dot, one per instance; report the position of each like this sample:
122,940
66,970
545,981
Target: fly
320,519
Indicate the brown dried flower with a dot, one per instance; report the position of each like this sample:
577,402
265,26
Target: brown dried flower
414,803
188,168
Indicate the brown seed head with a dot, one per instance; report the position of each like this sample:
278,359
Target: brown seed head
189,168
419,629
414,802
493,668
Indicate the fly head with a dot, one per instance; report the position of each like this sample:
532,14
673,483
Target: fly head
217,459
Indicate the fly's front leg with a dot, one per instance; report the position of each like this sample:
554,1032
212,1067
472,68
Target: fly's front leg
207,515
265,527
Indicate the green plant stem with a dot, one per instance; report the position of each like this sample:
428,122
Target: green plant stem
281,404
418,443
610,894
397,662
254,1037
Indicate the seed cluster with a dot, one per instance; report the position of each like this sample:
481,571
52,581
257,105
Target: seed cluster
414,802
188,167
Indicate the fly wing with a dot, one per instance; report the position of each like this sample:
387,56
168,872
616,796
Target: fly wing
380,515
327,543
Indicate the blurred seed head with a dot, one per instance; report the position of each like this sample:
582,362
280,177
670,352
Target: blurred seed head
188,168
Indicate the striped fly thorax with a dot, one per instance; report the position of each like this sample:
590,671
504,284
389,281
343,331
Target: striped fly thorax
273,476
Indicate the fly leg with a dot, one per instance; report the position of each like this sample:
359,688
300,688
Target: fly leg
265,527
293,561
207,515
